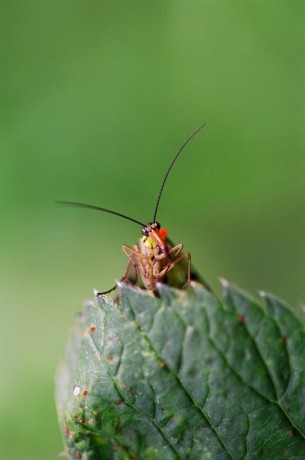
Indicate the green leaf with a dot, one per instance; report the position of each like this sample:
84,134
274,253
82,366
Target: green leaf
184,376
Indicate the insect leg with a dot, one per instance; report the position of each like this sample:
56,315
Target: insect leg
125,276
176,249
168,267
173,252
189,271
144,265
139,260
98,294
133,254
195,275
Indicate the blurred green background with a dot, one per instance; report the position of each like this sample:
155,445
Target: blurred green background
96,97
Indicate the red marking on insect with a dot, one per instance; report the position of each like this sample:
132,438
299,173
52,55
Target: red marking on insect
293,432
85,393
163,233
92,329
240,318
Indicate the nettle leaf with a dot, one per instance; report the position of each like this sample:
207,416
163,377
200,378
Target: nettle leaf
184,376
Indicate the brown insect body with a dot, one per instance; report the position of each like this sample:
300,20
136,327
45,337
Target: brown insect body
155,256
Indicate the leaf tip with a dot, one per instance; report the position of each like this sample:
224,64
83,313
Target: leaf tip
224,283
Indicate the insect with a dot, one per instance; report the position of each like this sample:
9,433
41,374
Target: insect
155,258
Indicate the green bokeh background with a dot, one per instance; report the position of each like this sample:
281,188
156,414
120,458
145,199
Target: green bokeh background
96,97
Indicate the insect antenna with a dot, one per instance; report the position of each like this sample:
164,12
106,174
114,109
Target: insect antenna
98,208
171,165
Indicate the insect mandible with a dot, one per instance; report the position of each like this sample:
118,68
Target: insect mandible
155,255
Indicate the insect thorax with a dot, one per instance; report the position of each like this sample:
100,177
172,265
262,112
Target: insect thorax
149,242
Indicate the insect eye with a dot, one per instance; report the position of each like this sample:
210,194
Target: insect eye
158,226
144,231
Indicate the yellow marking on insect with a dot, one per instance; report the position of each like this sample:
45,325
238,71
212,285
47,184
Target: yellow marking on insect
149,242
